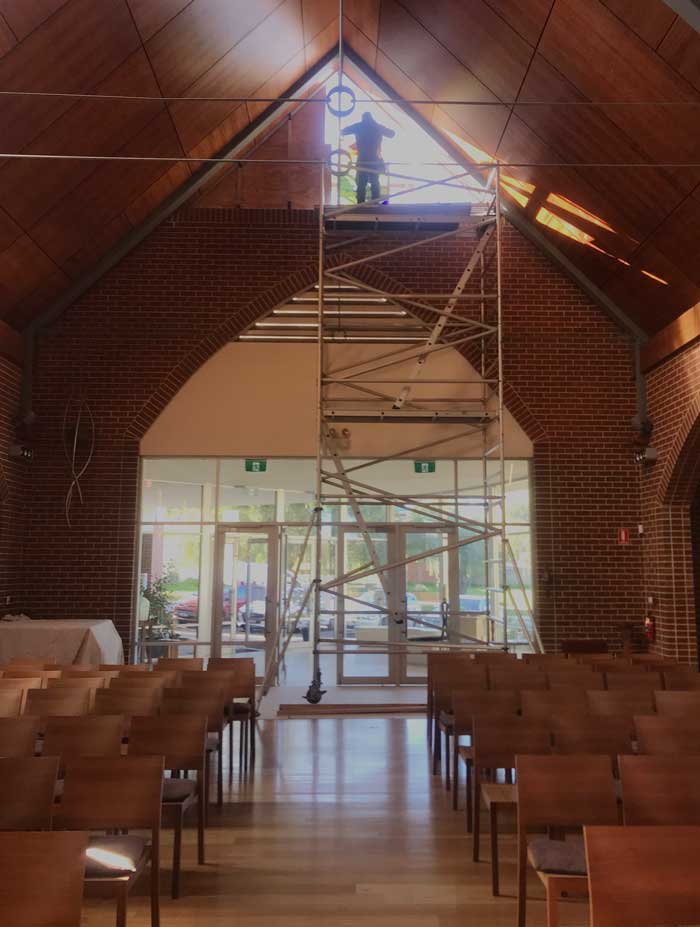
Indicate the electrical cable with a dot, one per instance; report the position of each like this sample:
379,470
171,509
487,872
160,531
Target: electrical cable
71,452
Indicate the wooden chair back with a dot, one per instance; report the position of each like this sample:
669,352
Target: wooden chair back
466,704
27,663
644,876
546,661
11,703
26,797
494,657
155,682
644,681
21,685
127,703
44,675
18,736
496,742
678,679
47,703
678,704
664,735
123,668
179,739
180,664
565,791
660,789
96,735
74,673
621,702
580,676
187,701
544,704
516,677
592,736
56,863
104,793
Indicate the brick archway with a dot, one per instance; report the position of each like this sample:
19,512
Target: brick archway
680,477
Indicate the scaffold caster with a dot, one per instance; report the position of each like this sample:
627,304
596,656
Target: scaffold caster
315,693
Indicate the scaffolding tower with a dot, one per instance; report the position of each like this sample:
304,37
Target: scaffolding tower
396,389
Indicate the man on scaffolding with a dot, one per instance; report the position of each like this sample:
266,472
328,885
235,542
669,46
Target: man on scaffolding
368,139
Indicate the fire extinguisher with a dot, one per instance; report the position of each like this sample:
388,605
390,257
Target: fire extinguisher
650,628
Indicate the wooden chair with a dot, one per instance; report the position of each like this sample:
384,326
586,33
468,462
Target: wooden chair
643,876
127,702
446,679
559,792
494,657
44,675
593,736
542,705
26,797
678,679
495,746
516,677
241,712
623,703
466,705
55,863
48,703
180,664
155,682
547,661
181,740
659,735
435,663
71,738
89,684
18,737
644,681
660,789
123,668
579,676
11,702
212,704
115,794
678,704
236,683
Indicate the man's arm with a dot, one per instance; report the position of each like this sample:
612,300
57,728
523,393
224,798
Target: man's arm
351,130
388,133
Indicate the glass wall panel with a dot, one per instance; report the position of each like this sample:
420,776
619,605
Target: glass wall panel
180,489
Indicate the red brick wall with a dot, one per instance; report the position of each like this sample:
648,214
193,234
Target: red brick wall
137,336
668,491
13,489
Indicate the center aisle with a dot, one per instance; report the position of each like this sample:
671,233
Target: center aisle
342,826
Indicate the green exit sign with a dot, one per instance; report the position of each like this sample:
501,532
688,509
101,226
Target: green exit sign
255,466
424,466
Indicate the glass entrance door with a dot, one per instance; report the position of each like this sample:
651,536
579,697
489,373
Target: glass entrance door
245,616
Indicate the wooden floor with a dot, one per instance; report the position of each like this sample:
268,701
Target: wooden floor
341,826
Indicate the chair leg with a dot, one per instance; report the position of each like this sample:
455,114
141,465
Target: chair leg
251,724
201,820
476,806
207,784
468,795
122,899
494,849
552,902
437,748
448,765
522,880
230,751
155,886
455,775
241,738
220,770
177,854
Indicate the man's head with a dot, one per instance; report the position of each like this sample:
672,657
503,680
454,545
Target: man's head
367,117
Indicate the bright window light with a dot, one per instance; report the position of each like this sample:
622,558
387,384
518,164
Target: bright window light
413,151
518,184
654,277
516,194
570,206
110,859
545,217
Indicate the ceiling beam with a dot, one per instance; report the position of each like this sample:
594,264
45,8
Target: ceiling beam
688,9
681,333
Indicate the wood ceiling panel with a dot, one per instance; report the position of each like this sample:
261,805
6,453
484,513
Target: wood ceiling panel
23,266
96,245
143,205
317,15
681,49
240,72
678,237
7,38
642,196
650,19
527,18
606,61
401,83
151,15
81,44
364,14
24,16
22,311
322,43
107,192
480,39
438,73
278,84
199,37
28,189
360,43
652,304
9,230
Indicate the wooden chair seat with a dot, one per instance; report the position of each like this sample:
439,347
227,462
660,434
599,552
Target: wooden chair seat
112,856
557,857
501,794
178,790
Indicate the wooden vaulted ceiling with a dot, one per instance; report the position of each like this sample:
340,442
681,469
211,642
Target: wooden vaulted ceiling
57,218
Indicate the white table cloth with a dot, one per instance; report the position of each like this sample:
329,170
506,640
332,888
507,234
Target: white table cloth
69,640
